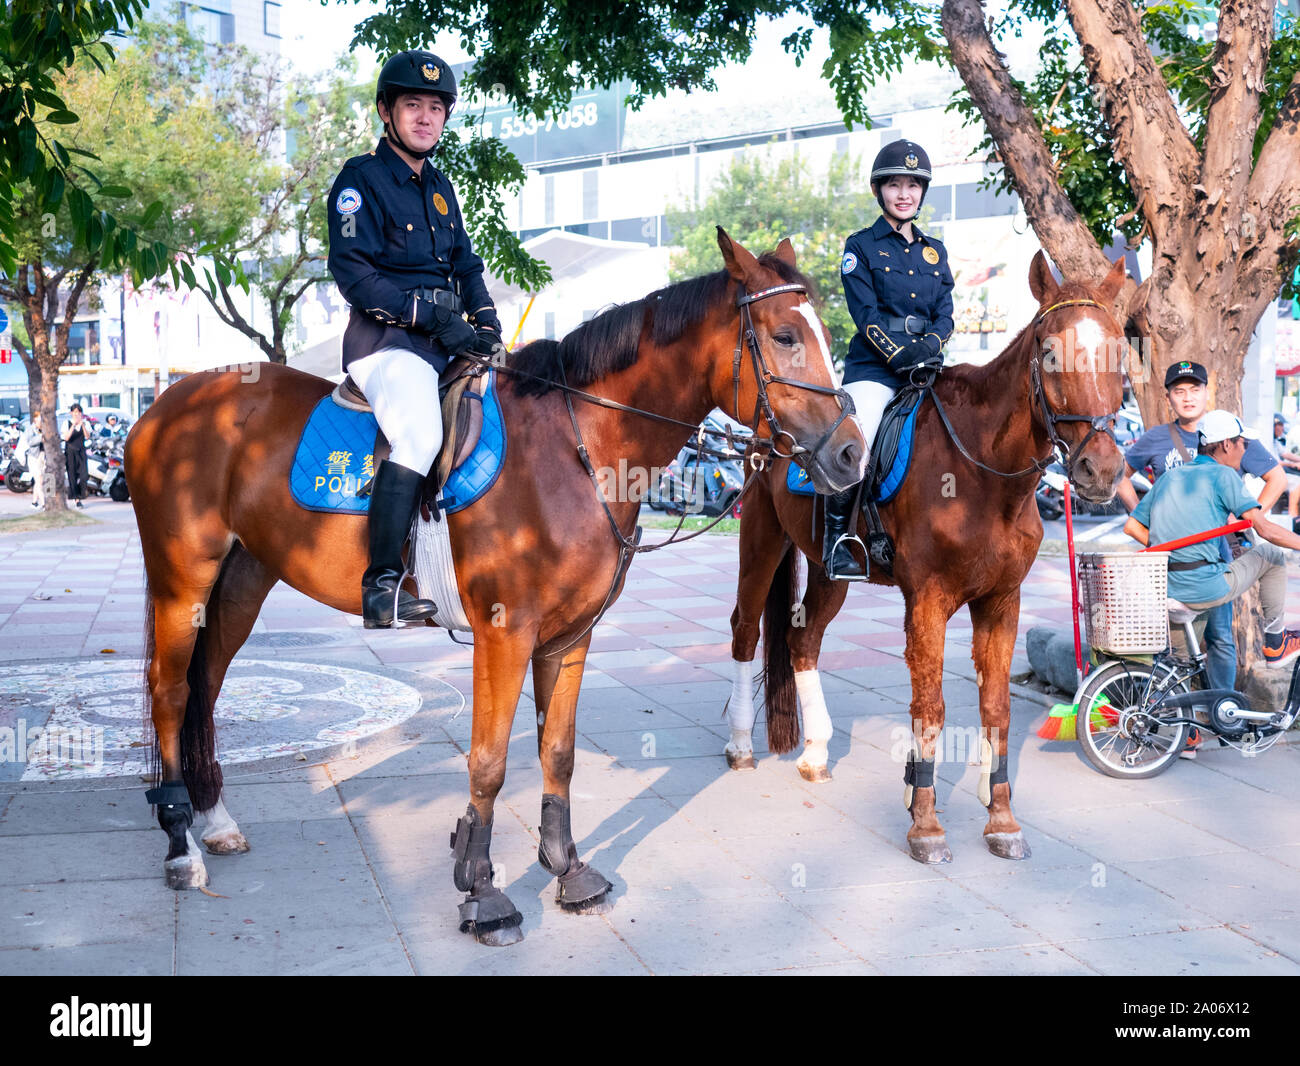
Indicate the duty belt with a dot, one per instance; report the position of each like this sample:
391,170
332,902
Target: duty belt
441,297
911,324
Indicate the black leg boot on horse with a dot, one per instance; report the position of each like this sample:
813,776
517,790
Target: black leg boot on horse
487,911
394,496
841,510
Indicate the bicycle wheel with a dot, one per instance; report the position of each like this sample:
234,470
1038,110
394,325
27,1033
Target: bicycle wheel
1121,727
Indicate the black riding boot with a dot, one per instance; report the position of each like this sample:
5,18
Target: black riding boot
394,495
836,556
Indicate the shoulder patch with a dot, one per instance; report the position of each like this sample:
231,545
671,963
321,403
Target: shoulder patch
348,202
849,263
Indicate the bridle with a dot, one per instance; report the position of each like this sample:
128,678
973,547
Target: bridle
1096,423
763,377
1039,407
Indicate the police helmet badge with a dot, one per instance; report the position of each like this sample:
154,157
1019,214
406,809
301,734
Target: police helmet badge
348,202
910,161
430,72
849,263
930,255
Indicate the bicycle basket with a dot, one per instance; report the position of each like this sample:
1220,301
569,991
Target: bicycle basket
1124,601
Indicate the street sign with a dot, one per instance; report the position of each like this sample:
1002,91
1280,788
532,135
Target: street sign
4,321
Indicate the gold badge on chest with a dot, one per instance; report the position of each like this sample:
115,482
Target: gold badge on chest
441,205
930,255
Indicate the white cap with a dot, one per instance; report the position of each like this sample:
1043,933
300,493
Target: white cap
1223,425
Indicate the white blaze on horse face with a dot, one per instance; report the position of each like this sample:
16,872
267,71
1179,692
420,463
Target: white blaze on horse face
1090,347
814,324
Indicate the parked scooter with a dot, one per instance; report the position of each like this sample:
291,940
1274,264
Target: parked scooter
700,484
104,472
18,477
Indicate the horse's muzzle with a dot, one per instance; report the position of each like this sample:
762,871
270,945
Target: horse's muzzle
838,464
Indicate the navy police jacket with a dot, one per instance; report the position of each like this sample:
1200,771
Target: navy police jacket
900,297
391,232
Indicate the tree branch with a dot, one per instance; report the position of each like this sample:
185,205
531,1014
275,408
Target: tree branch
1275,183
231,317
1237,73
1020,142
1151,141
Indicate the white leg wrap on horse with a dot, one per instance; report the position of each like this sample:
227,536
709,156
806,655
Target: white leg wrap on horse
403,392
740,709
817,725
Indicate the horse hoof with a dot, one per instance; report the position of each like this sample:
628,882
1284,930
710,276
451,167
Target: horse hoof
817,775
226,844
185,872
743,760
596,905
500,937
1008,845
930,850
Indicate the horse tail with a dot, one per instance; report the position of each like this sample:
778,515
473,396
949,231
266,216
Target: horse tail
198,741
780,700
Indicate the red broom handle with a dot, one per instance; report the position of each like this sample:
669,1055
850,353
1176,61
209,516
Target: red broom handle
1074,587
1196,538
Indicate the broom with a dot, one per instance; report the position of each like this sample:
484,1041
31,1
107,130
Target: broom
1062,720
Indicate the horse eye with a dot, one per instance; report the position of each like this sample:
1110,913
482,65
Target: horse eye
783,338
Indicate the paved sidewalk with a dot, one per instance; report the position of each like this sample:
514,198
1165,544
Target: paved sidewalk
1192,872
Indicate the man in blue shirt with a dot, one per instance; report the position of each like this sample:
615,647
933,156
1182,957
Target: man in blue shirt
1203,495
1165,447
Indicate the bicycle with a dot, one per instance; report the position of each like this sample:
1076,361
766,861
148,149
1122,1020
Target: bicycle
1134,717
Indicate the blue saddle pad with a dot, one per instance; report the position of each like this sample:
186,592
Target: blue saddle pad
799,483
335,458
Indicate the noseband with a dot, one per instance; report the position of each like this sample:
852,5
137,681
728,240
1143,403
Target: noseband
1096,423
764,377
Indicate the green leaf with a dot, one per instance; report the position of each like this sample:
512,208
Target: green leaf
151,213
117,192
53,189
63,118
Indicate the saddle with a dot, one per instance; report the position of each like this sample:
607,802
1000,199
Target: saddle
461,387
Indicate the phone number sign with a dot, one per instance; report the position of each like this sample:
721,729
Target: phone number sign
592,124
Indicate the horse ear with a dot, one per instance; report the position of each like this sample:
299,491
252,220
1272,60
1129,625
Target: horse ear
1114,282
1041,282
785,252
740,261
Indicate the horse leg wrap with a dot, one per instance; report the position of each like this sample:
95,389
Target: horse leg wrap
175,814
486,907
998,776
918,773
578,882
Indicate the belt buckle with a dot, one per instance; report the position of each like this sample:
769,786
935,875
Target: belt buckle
920,324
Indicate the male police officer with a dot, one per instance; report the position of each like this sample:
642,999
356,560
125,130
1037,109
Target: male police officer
399,251
899,292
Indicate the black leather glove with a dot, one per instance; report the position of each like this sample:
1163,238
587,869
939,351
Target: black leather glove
489,344
444,325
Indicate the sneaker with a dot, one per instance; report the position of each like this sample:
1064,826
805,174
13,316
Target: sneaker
1281,648
1193,744
79,504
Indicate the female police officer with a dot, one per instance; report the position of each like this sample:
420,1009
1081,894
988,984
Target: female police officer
399,251
899,292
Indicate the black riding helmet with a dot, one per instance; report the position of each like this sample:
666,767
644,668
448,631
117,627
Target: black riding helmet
901,159
419,72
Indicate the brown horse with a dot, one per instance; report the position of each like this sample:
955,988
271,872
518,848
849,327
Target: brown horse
536,559
964,534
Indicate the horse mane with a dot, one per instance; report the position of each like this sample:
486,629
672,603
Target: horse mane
611,341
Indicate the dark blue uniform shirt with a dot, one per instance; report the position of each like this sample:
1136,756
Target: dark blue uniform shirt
900,297
392,232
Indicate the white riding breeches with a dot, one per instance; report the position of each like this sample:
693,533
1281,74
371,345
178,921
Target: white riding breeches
870,398
403,392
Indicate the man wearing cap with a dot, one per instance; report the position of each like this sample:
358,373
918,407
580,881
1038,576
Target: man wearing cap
1166,447
401,256
1204,494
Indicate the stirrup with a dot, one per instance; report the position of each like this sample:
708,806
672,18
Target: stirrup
851,538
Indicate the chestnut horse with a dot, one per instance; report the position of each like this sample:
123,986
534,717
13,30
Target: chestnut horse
209,468
964,534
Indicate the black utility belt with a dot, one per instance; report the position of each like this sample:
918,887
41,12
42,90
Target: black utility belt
1194,565
441,297
911,324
